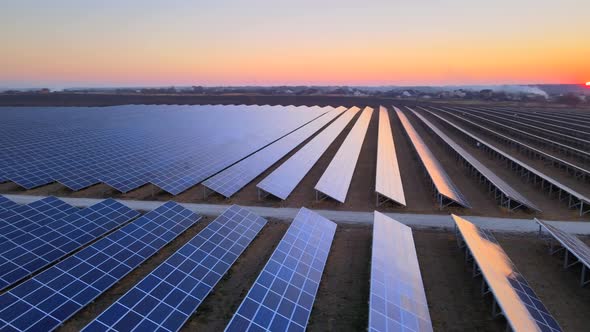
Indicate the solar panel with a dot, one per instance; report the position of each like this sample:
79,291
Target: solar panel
500,184
252,134
336,178
127,146
576,199
283,180
25,218
22,255
45,301
522,308
441,180
6,204
169,295
282,296
388,179
572,245
234,178
397,298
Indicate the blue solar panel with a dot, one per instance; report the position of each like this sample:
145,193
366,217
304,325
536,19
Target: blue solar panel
168,296
48,299
6,204
282,297
24,218
127,146
40,245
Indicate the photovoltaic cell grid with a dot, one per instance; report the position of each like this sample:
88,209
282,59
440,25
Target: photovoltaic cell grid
127,146
397,300
283,180
168,296
6,204
39,246
234,178
522,308
335,181
45,301
441,180
282,296
24,218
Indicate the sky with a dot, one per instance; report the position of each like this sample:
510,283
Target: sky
76,43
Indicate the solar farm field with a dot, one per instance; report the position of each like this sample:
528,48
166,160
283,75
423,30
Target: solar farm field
106,219
487,161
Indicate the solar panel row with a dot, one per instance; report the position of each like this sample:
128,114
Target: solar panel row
168,296
499,183
283,180
31,250
45,301
576,199
234,178
127,146
573,246
388,180
522,308
6,204
397,299
336,178
441,180
282,296
25,218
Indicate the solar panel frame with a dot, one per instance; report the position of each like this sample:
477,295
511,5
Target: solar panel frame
335,181
282,297
521,307
51,297
441,180
572,245
397,298
283,180
187,277
492,177
583,200
388,180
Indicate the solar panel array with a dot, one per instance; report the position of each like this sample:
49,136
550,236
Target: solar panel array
168,296
283,180
234,178
388,179
34,246
6,204
441,180
498,182
397,298
569,241
48,299
583,200
522,308
24,218
336,178
282,296
171,146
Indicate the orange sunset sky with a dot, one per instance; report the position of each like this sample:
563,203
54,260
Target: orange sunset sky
421,42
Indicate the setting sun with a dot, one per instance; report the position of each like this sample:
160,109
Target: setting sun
587,83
